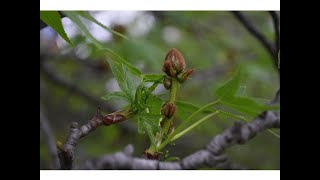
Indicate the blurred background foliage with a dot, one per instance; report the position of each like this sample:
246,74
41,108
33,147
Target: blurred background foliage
213,43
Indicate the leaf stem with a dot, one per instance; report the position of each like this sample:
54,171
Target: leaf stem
174,90
193,126
173,96
166,122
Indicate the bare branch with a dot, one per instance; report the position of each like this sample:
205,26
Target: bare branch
66,153
210,156
49,139
258,35
276,24
68,85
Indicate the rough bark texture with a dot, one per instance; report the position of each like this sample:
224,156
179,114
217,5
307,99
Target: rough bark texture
211,156
66,153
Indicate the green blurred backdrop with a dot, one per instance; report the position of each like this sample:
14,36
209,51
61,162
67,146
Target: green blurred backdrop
213,43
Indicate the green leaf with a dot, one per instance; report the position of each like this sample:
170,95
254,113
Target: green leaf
125,80
140,125
115,57
172,159
154,104
89,17
151,135
145,99
230,87
53,19
225,115
261,101
115,96
185,109
231,95
148,123
153,87
241,91
152,77
75,18
247,105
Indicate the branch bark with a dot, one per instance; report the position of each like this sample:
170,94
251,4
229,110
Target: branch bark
66,153
49,139
211,156
271,48
276,25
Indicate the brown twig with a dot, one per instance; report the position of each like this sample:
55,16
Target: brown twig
66,153
258,35
276,25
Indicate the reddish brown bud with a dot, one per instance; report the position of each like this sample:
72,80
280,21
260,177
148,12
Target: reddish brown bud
168,110
183,76
167,82
174,63
171,128
115,117
108,119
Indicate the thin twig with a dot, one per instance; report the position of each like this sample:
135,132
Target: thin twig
49,139
258,35
276,25
66,153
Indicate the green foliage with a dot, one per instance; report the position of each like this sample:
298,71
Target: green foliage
115,57
166,157
149,123
148,108
247,105
152,77
125,80
145,106
241,91
75,18
185,109
89,17
53,19
230,88
115,96
229,93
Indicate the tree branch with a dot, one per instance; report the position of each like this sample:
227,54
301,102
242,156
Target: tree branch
276,25
258,35
68,85
210,156
49,139
66,153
